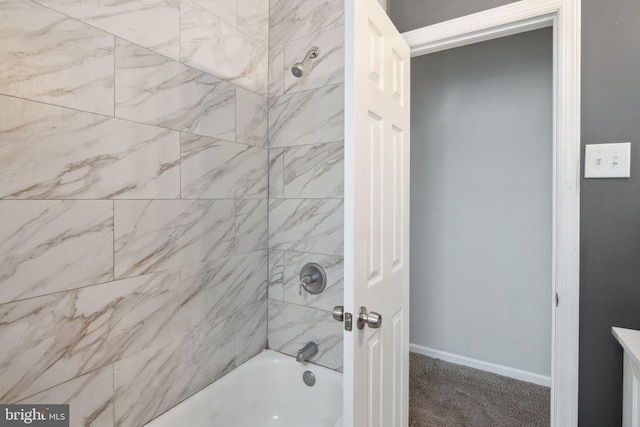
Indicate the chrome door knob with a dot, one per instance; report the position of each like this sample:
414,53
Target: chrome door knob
372,319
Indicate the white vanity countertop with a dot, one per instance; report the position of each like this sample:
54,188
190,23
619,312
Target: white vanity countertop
629,339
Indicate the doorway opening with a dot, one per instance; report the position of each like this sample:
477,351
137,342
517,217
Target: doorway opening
564,17
481,218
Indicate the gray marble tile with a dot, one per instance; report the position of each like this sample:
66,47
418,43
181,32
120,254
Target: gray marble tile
211,354
54,338
251,225
309,117
291,20
50,246
134,313
253,19
162,234
333,293
276,71
51,58
150,382
212,292
153,24
314,171
307,225
217,169
49,152
153,89
223,9
276,274
251,333
252,122
327,69
292,326
90,398
276,173
215,47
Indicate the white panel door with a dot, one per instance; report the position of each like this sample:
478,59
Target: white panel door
376,365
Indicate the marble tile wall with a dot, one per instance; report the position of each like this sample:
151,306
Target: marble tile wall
306,177
133,201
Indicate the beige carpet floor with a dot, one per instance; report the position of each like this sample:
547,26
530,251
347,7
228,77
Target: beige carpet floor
448,395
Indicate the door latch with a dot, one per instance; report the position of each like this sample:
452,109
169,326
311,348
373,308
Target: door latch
341,316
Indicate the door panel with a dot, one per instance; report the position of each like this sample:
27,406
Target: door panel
375,229
376,217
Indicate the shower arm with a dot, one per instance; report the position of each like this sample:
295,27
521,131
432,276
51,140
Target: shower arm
312,54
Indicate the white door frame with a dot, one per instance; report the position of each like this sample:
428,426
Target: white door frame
564,17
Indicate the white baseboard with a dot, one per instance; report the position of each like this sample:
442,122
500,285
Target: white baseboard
484,366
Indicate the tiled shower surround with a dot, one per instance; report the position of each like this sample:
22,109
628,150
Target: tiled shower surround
306,177
161,170
134,201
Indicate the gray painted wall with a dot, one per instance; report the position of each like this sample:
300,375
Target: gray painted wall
610,211
481,168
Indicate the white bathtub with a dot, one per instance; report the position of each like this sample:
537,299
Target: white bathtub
265,391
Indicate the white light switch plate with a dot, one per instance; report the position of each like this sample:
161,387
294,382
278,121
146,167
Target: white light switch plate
607,160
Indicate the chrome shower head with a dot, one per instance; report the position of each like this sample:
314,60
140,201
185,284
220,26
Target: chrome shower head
299,67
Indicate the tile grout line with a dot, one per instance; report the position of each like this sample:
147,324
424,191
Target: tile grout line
114,77
128,120
268,216
113,238
113,396
151,273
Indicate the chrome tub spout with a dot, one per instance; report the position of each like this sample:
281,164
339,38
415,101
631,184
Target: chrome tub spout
307,351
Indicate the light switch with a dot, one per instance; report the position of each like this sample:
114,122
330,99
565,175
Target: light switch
607,160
